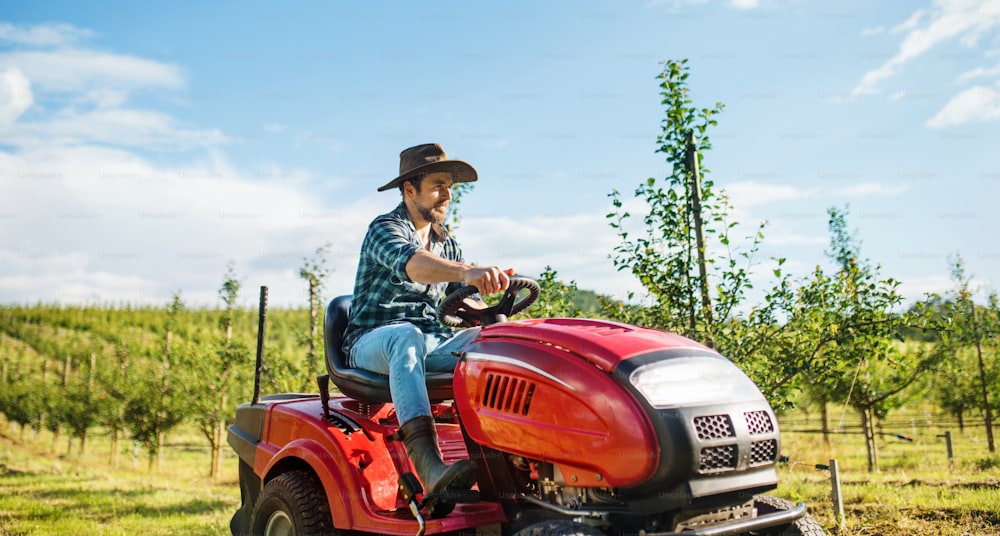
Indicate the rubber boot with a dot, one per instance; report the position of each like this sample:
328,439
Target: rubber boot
421,441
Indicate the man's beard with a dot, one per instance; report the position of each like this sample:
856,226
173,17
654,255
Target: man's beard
427,214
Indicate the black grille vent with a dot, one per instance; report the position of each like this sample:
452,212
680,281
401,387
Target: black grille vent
759,422
508,394
714,427
763,452
717,459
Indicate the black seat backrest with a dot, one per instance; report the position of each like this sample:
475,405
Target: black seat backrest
361,384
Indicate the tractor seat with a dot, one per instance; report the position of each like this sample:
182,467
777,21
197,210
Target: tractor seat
361,384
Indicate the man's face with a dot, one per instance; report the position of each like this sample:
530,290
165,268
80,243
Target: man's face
432,198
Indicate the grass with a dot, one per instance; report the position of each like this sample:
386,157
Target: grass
917,491
42,494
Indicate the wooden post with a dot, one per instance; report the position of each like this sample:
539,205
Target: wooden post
695,172
837,494
947,443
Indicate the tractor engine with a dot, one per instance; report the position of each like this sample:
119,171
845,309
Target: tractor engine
600,419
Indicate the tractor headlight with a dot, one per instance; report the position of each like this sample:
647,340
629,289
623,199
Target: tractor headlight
693,381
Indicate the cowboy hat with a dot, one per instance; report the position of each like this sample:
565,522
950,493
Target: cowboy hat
429,158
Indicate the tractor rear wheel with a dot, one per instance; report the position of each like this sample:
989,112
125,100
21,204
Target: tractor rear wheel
292,504
804,526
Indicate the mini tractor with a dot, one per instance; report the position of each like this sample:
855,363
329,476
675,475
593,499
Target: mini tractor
575,427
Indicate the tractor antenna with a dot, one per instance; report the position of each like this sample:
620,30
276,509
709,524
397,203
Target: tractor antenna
261,318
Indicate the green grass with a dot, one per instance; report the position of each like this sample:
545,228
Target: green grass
44,491
917,490
42,494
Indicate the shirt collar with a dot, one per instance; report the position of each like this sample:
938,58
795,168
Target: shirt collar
438,232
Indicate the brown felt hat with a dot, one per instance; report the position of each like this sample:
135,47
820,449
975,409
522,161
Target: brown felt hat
429,158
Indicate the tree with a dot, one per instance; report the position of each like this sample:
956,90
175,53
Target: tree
848,321
80,402
214,375
683,253
458,192
556,298
158,406
972,326
115,390
315,271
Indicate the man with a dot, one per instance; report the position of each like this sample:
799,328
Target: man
408,264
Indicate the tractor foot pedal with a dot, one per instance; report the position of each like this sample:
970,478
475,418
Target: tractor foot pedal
455,496
442,503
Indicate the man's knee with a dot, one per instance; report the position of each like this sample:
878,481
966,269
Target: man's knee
407,340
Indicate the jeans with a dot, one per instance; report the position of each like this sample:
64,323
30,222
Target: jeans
404,353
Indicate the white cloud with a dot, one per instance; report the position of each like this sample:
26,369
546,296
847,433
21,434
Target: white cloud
979,72
87,223
80,70
915,289
85,216
975,104
749,193
745,4
961,19
576,245
15,96
109,124
43,35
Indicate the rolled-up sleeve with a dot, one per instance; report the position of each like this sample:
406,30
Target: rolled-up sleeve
391,247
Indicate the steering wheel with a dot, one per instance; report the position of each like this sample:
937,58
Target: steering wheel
452,312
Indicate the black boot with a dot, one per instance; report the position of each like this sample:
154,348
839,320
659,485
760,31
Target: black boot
421,441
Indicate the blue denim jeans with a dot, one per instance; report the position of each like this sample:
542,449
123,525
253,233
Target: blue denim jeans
404,353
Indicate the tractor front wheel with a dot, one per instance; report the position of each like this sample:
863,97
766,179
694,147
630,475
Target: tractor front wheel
559,527
292,504
804,526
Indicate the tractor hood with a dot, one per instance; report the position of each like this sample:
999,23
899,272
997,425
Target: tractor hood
603,343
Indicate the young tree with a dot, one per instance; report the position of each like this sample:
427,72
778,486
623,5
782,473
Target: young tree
556,298
975,327
115,390
158,406
458,192
682,251
849,321
80,403
215,379
315,271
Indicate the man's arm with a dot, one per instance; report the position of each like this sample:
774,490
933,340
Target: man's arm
428,268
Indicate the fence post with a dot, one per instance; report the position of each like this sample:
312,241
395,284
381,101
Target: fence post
951,452
837,495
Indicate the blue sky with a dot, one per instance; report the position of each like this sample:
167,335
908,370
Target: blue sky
143,147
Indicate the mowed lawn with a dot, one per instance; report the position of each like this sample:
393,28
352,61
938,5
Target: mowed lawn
44,491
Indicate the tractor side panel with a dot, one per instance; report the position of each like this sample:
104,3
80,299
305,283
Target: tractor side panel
359,473
545,403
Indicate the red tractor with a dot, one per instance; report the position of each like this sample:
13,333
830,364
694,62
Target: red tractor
575,427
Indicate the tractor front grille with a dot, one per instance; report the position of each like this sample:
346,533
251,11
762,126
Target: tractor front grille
717,459
714,427
759,422
734,442
763,452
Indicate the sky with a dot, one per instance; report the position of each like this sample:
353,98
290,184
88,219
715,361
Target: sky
143,148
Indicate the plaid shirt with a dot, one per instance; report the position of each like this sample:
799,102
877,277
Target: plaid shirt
383,293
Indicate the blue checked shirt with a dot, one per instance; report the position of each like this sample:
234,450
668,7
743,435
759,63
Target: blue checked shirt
383,293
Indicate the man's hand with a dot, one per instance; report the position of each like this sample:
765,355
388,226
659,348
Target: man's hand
489,280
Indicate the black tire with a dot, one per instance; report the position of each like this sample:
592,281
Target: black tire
293,504
559,527
804,526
